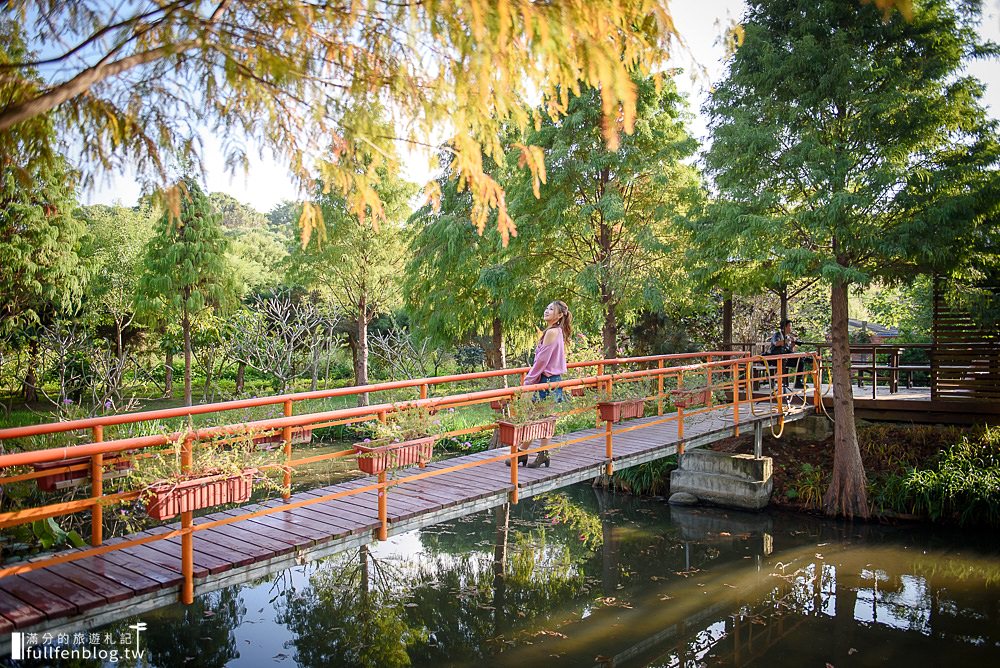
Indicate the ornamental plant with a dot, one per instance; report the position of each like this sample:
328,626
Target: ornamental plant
402,425
226,455
626,390
528,407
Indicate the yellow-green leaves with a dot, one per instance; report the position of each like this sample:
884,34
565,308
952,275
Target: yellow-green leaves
300,75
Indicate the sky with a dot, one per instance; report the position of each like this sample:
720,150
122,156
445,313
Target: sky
701,24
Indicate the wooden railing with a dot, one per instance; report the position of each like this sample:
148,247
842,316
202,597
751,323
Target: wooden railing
725,371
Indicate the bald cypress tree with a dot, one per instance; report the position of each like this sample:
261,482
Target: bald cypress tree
849,145
185,270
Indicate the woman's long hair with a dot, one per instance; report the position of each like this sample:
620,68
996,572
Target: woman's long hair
565,321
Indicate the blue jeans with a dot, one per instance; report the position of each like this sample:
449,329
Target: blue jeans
557,393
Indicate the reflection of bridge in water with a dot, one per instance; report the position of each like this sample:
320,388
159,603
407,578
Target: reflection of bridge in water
132,574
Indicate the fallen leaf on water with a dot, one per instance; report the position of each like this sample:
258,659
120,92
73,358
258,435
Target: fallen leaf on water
554,634
724,533
852,652
726,584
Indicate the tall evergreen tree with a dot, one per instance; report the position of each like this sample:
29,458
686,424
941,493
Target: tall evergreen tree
460,283
848,145
41,274
186,271
358,267
601,225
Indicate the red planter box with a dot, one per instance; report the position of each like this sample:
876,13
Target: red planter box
688,398
300,437
499,404
381,457
576,391
515,434
616,411
50,483
169,499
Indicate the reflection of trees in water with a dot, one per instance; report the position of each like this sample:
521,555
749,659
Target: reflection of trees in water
349,616
200,634
457,599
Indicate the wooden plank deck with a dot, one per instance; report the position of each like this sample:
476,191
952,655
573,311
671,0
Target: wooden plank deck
93,591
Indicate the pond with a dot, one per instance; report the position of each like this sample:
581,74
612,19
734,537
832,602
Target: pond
583,577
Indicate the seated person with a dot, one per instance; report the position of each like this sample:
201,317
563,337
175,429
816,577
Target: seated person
783,342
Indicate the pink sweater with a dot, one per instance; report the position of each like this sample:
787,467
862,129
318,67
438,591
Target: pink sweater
550,359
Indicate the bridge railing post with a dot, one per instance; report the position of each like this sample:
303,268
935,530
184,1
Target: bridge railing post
609,467
659,389
598,388
710,381
97,490
383,510
187,538
514,465
817,374
735,367
286,436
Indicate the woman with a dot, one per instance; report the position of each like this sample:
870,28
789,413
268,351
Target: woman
550,365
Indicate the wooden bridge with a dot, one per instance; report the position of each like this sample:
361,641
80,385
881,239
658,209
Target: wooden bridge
87,587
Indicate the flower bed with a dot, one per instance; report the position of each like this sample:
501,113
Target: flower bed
378,458
616,411
168,499
515,434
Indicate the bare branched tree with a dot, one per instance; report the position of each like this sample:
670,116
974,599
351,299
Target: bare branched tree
278,336
404,355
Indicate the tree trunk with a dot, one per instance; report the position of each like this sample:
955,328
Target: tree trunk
209,368
727,322
498,352
783,295
186,326
241,369
361,359
314,385
847,494
29,388
168,375
609,332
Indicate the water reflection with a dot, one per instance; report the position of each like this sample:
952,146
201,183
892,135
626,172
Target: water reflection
584,578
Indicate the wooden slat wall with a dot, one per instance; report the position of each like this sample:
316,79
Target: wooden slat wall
965,362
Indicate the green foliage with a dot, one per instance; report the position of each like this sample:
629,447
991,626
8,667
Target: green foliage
560,509
405,425
50,535
808,486
460,282
624,389
649,479
848,146
852,153
602,231
231,455
965,482
185,267
296,75
526,407
40,269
